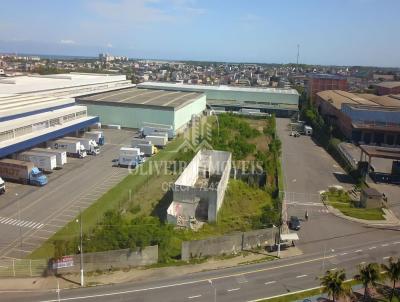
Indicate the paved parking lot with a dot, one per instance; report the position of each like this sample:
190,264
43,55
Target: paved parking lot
30,215
308,169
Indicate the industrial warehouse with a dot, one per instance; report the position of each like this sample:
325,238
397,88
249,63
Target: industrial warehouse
36,109
133,107
281,101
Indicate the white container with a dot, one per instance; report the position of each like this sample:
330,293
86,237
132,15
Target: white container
126,151
159,141
118,127
73,148
45,162
97,136
89,144
61,155
149,128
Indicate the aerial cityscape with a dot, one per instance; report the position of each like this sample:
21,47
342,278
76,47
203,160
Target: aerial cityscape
185,150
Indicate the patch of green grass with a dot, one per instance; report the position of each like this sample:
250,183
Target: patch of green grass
340,200
240,211
115,198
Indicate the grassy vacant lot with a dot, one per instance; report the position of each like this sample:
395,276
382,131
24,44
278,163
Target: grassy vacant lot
341,201
241,211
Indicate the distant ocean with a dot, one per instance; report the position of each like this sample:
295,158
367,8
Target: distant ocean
54,57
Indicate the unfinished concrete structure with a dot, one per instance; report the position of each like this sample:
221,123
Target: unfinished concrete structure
199,191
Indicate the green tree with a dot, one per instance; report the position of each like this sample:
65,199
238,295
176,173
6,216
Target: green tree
333,284
392,273
369,275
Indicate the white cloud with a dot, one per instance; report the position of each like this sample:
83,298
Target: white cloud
109,45
67,41
247,18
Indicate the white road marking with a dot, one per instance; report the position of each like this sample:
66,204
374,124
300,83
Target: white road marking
362,262
358,251
233,289
18,222
333,269
396,242
385,258
190,282
269,282
384,245
372,248
342,254
301,276
194,297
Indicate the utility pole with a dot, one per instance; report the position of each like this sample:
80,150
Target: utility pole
298,55
81,246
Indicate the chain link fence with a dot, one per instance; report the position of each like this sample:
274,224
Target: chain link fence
22,267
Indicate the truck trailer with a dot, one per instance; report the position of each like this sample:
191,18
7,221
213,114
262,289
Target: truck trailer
130,157
73,148
44,161
89,144
2,186
21,171
147,149
97,136
159,141
149,128
61,155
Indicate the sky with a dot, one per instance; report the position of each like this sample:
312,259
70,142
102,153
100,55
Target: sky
339,32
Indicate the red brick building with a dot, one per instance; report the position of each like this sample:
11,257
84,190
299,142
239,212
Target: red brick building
386,88
317,82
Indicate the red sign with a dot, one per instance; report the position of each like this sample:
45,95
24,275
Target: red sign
66,261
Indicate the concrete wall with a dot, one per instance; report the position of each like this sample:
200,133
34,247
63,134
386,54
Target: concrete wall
219,162
114,259
228,244
184,115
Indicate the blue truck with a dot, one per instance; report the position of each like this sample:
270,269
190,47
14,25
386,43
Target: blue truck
22,171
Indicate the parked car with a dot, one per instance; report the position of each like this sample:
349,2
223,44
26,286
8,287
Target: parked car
294,223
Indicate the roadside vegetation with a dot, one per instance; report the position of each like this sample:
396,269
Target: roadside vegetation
379,284
341,200
133,213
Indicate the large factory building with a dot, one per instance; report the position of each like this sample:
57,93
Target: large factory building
282,102
132,107
35,109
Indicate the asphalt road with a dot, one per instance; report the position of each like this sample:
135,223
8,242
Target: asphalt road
308,169
30,215
243,283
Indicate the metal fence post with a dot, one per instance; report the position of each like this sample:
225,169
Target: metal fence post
13,267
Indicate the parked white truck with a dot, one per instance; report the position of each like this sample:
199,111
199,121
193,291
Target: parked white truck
130,157
73,148
147,149
2,186
45,162
150,128
97,136
159,141
89,144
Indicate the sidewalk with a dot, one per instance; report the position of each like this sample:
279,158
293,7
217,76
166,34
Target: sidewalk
137,274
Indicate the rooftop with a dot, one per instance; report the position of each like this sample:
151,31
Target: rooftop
381,152
325,76
204,88
133,97
39,83
339,97
388,84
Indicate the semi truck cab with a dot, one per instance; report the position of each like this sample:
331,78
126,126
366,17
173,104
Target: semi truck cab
36,177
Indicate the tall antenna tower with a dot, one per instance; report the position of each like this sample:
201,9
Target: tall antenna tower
298,54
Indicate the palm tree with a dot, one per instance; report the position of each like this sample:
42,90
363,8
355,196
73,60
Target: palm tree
392,273
369,275
333,284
